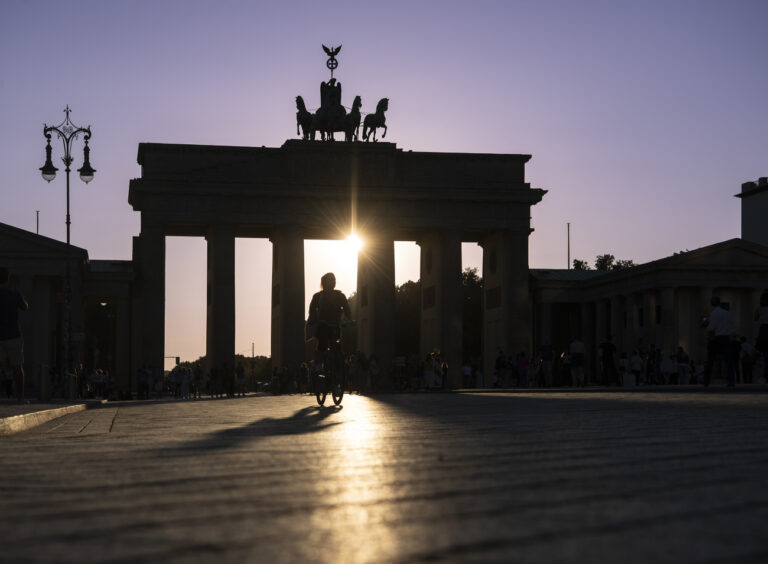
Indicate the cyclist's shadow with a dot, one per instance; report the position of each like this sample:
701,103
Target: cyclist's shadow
307,420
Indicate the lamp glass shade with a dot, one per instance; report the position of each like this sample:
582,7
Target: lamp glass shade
48,171
86,173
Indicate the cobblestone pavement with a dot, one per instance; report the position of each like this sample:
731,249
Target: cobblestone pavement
545,477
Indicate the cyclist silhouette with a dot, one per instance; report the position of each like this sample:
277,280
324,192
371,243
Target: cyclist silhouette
325,311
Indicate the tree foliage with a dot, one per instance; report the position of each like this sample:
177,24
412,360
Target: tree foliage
579,264
408,315
621,264
472,308
609,262
259,366
604,262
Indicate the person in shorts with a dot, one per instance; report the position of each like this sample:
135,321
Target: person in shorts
11,342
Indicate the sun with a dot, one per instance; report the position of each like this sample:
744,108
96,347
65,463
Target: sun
354,242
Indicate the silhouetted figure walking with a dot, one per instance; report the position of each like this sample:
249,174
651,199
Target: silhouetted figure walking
720,326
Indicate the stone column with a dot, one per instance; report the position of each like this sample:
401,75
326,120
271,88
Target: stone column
545,323
288,315
601,321
587,315
601,332
41,306
648,330
668,339
617,325
631,336
220,323
149,306
754,303
441,301
743,311
507,310
376,298
121,343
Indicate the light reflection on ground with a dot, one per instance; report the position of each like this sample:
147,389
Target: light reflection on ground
358,484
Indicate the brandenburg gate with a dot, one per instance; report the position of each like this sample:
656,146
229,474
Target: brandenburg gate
315,190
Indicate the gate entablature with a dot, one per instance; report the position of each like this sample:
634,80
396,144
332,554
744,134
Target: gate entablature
257,189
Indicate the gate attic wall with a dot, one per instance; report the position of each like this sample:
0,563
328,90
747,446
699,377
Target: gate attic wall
311,190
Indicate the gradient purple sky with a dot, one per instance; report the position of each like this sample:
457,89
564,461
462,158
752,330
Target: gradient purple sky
643,118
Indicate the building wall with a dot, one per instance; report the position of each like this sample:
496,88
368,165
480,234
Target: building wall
754,211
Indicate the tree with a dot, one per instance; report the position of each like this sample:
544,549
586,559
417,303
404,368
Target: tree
472,309
604,262
579,264
621,264
407,317
609,262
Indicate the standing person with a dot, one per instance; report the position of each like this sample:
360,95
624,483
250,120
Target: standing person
428,370
11,341
720,326
668,368
761,316
436,369
566,376
547,360
240,371
623,379
578,350
747,353
198,380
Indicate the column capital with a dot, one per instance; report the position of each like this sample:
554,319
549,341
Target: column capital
290,231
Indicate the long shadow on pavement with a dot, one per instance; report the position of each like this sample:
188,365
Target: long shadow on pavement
307,420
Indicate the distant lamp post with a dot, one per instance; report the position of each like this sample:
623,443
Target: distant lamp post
67,132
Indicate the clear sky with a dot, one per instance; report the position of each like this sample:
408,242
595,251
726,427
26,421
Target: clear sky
643,118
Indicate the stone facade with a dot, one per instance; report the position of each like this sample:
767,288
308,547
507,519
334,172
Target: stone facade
100,306
660,302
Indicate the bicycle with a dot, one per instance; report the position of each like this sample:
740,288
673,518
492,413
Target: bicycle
332,374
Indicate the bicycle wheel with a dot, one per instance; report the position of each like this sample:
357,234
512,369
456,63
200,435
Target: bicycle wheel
321,388
337,380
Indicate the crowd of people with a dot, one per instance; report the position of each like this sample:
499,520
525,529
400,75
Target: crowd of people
191,381
735,358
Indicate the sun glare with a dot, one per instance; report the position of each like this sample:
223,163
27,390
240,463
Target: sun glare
354,242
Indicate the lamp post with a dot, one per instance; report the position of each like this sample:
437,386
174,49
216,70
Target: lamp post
67,132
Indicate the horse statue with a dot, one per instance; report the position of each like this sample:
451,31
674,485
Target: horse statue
352,121
374,121
304,120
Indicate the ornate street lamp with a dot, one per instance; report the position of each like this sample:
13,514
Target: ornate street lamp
67,132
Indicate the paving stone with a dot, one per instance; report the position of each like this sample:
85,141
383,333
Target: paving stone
659,476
